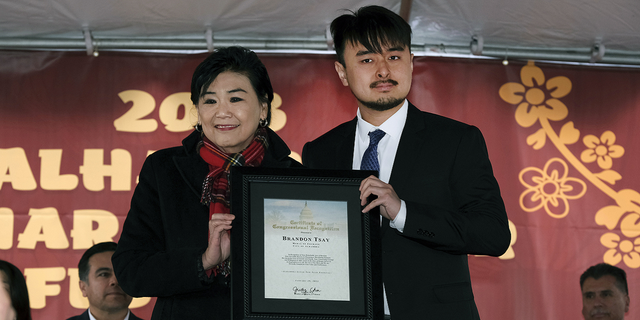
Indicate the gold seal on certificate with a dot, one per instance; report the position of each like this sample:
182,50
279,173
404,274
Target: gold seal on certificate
305,247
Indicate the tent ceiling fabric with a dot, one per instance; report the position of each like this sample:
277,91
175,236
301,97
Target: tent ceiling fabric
552,29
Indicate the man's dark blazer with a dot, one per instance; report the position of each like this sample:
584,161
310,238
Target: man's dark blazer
85,316
454,208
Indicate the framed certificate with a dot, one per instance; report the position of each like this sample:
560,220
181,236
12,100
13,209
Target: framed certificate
301,248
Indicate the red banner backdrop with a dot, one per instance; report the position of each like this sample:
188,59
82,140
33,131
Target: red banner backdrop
75,130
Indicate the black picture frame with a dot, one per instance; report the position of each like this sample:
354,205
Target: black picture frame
251,188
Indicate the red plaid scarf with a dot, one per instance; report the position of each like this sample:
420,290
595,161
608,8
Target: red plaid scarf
215,189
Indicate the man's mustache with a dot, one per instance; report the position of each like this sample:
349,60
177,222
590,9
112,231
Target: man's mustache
390,81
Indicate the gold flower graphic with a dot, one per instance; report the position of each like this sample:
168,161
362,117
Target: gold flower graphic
626,250
550,188
537,100
533,100
602,149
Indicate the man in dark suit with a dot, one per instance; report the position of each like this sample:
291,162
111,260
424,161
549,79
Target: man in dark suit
436,191
98,283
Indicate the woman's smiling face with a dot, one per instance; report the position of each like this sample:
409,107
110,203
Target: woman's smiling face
230,112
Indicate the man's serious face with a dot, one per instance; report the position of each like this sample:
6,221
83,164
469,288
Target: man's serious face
601,299
380,81
102,288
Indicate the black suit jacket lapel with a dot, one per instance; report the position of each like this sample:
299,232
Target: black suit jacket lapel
345,146
412,140
406,162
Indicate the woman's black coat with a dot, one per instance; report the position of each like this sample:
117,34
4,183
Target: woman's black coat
166,233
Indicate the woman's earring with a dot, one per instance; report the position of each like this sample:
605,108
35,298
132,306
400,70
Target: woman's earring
198,127
263,122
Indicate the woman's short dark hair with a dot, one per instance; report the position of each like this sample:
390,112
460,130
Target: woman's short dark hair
17,290
235,59
374,27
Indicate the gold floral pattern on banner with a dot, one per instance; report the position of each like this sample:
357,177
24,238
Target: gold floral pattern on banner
550,188
537,100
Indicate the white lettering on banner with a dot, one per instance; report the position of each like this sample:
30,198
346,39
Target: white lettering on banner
38,288
45,282
83,233
144,104
170,109
94,170
6,228
50,178
17,172
14,168
132,120
45,225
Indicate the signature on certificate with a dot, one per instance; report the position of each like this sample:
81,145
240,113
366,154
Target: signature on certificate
305,291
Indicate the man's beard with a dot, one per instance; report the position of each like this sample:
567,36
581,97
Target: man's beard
382,104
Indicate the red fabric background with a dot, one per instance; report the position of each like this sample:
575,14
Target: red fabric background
69,101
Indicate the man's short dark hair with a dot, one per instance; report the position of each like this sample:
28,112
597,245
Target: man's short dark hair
83,265
602,269
374,27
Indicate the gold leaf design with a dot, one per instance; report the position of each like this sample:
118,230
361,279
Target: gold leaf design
278,117
569,134
630,225
559,86
555,110
629,200
538,101
537,140
531,72
512,92
609,176
609,216
510,253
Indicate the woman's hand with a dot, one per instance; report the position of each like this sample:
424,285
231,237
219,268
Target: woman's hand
219,247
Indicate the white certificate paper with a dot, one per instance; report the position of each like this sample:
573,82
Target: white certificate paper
306,250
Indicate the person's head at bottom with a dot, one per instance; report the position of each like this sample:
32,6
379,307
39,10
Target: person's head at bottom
99,285
14,297
605,294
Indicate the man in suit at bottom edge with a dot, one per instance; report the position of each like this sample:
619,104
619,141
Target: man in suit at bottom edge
98,283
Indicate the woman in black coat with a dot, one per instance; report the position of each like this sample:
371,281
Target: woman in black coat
175,241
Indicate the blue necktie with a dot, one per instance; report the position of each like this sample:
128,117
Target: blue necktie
370,157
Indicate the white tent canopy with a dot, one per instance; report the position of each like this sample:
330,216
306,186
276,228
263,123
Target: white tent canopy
559,30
